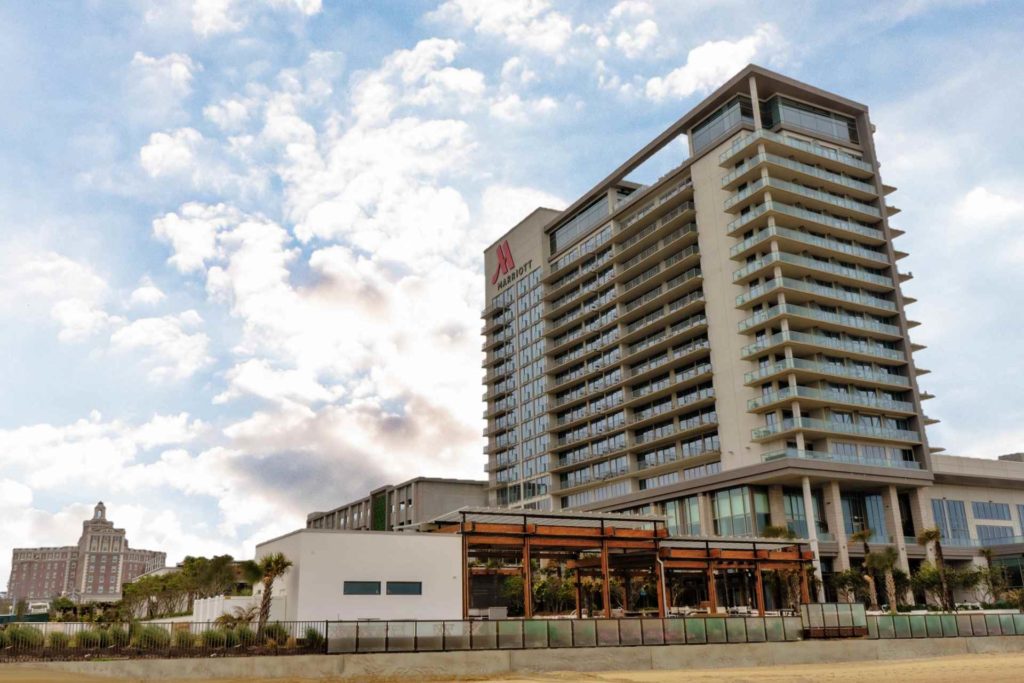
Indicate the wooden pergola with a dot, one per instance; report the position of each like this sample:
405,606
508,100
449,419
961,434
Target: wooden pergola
601,545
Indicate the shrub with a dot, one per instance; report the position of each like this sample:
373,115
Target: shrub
213,638
59,640
230,637
276,632
314,639
87,639
106,640
152,638
3,638
119,637
246,636
20,637
184,640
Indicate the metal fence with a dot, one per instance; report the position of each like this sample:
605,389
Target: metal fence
518,634
76,640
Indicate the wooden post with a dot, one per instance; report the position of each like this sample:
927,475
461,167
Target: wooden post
579,593
712,591
606,589
805,591
760,590
527,581
659,582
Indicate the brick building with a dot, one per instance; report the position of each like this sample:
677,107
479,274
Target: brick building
93,570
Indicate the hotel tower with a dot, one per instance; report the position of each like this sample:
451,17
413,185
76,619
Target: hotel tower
728,346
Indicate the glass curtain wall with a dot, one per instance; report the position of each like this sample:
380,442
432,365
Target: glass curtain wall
740,511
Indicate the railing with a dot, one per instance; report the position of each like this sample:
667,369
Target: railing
814,264
981,543
140,640
825,369
797,212
806,169
813,424
844,397
819,315
837,457
518,634
811,288
864,348
806,146
809,239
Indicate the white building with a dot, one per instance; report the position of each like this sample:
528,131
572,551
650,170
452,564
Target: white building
348,575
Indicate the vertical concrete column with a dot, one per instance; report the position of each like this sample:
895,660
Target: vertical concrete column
894,524
707,525
776,508
812,533
832,498
755,103
921,514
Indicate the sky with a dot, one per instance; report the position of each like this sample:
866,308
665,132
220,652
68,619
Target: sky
241,240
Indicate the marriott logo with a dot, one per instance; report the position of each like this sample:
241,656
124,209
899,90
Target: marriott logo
506,272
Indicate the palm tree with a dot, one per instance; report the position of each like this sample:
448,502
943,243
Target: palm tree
933,535
270,568
884,561
863,536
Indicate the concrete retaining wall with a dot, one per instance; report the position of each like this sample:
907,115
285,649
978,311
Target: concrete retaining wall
421,666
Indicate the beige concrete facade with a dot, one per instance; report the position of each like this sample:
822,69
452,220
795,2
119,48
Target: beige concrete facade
737,326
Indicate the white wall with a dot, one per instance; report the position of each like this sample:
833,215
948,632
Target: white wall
324,559
208,609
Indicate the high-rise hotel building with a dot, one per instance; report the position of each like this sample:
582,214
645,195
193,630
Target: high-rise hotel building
729,345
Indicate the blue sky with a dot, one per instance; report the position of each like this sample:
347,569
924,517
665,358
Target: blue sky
240,241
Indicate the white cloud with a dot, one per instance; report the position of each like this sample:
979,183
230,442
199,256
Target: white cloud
634,43
192,233
146,294
256,377
712,63
229,115
514,70
983,209
213,17
530,24
513,109
170,154
169,349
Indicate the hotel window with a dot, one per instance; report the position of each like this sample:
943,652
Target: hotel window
951,518
739,511
361,588
683,516
404,588
991,532
997,511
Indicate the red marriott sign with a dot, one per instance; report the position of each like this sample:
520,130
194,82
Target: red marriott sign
506,273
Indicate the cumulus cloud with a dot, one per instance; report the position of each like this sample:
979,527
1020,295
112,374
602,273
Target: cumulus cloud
213,17
530,24
984,209
146,294
170,154
710,64
159,84
169,346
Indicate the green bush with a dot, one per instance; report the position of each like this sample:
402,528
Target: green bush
230,637
59,640
184,640
3,638
213,638
246,636
152,638
106,640
21,637
119,637
276,632
314,639
87,640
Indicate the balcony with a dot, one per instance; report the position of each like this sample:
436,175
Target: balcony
828,427
854,276
838,319
816,290
801,193
840,182
832,157
814,368
874,351
805,239
822,456
795,216
823,396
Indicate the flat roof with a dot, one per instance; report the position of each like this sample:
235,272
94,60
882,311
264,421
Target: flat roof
492,515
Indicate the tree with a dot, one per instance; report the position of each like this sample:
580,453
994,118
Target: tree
934,536
850,582
788,580
883,562
993,577
863,536
271,568
241,616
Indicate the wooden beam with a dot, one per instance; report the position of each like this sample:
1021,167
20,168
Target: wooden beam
760,590
568,531
659,583
494,540
585,543
628,533
579,595
685,564
641,545
683,553
805,592
712,591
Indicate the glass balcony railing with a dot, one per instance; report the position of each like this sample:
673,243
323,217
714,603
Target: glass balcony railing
843,397
822,316
822,219
825,197
864,348
825,369
806,169
815,264
803,145
850,429
836,457
812,288
809,239
980,543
